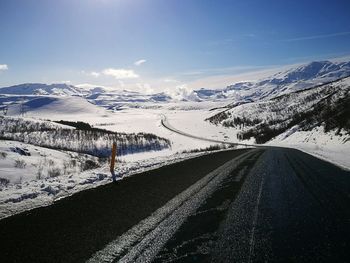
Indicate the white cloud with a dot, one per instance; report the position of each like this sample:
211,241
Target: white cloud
120,73
95,74
182,92
317,36
3,67
91,74
139,62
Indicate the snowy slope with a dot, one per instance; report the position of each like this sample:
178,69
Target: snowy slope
293,79
51,107
117,99
43,89
279,108
315,120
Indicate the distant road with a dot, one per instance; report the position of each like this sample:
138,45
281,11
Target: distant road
255,205
167,125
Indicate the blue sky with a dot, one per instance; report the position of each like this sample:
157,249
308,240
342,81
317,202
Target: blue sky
153,44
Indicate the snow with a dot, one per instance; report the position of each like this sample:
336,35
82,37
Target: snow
25,191
54,107
40,159
60,89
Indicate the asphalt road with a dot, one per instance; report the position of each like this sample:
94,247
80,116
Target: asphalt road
291,207
74,228
262,205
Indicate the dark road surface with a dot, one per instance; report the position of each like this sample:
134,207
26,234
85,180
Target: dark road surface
262,205
72,229
292,207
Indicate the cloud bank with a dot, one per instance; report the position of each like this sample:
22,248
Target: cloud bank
120,73
3,67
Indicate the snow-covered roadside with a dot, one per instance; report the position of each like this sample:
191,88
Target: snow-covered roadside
32,192
326,146
24,189
22,162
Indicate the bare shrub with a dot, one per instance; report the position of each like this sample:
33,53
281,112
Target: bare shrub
53,172
51,162
3,155
102,160
89,164
4,181
65,167
39,173
73,162
20,164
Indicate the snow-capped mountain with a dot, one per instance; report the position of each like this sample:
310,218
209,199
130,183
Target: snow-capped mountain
60,89
127,96
293,79
284,82
96,95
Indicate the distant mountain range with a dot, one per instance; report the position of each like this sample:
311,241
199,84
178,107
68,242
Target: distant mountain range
293,79
42,89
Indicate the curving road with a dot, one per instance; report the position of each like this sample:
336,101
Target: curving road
168,126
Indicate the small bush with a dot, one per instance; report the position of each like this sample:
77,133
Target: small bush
20,164
39,173
4,181
65,167
102,160
90,164
73,162
3,155
53,172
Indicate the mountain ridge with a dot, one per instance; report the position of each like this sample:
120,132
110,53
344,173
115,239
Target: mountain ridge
290,80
